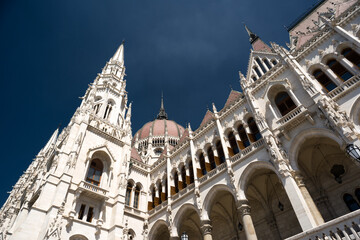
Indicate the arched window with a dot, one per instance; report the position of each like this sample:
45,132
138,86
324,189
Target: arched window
267,63
339,69
255,133
350,202
183,176
97,108
357,194
202,164
211,157
220,151
136,197
274,62
94,172
128,194
233,143
176,182
352,56
108,110
191,170
254,78
284,103
153,196
324,80
166,189
258,71
261,65
160,193
243,137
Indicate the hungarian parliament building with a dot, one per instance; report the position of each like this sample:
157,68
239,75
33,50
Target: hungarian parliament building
280,160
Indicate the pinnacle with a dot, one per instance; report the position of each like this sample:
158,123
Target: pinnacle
253,36
162,114
119,54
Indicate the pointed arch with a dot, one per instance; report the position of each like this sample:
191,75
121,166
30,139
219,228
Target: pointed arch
159,230
300,138
209,198
248,171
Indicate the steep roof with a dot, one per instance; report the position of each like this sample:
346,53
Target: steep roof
208,116
232,97
135,155
184,136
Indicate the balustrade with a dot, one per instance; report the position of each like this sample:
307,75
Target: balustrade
344,227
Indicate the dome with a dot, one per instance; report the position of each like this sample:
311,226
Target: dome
158,128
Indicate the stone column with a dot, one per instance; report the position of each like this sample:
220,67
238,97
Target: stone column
237,138
244,212
301,209
348,65
131,201
207,162
248,132
273,111
206,229
332,76
309,201
293,96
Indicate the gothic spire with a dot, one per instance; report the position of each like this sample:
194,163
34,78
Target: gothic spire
119,54
253,36
162,114
256,43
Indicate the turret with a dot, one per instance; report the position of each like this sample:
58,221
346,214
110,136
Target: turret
106,97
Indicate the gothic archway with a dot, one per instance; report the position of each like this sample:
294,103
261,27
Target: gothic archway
328,175
222,212
159,230
187,221
271,209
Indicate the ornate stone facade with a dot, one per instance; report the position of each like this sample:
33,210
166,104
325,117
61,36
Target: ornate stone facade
271,164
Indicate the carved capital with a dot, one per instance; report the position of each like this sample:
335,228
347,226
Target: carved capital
244,208
299,179
206,227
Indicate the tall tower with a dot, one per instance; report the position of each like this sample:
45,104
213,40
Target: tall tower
77,182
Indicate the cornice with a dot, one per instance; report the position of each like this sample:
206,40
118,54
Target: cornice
324,33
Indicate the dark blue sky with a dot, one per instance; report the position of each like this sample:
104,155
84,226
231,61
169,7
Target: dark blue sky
191,50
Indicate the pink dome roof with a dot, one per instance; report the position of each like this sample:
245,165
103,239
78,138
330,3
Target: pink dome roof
158,127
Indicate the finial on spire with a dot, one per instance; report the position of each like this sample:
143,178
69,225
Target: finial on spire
119,54
253,36
162,114
214,108
128,114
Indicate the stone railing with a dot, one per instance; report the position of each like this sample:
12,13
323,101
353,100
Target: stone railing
342,89
291,115
212,173
259,143
344,227
93,189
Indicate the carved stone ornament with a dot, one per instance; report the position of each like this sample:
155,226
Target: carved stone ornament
244,209
206,228
55,227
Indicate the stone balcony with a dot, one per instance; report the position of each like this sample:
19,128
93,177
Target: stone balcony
344,227
344,88
293,118
93,190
